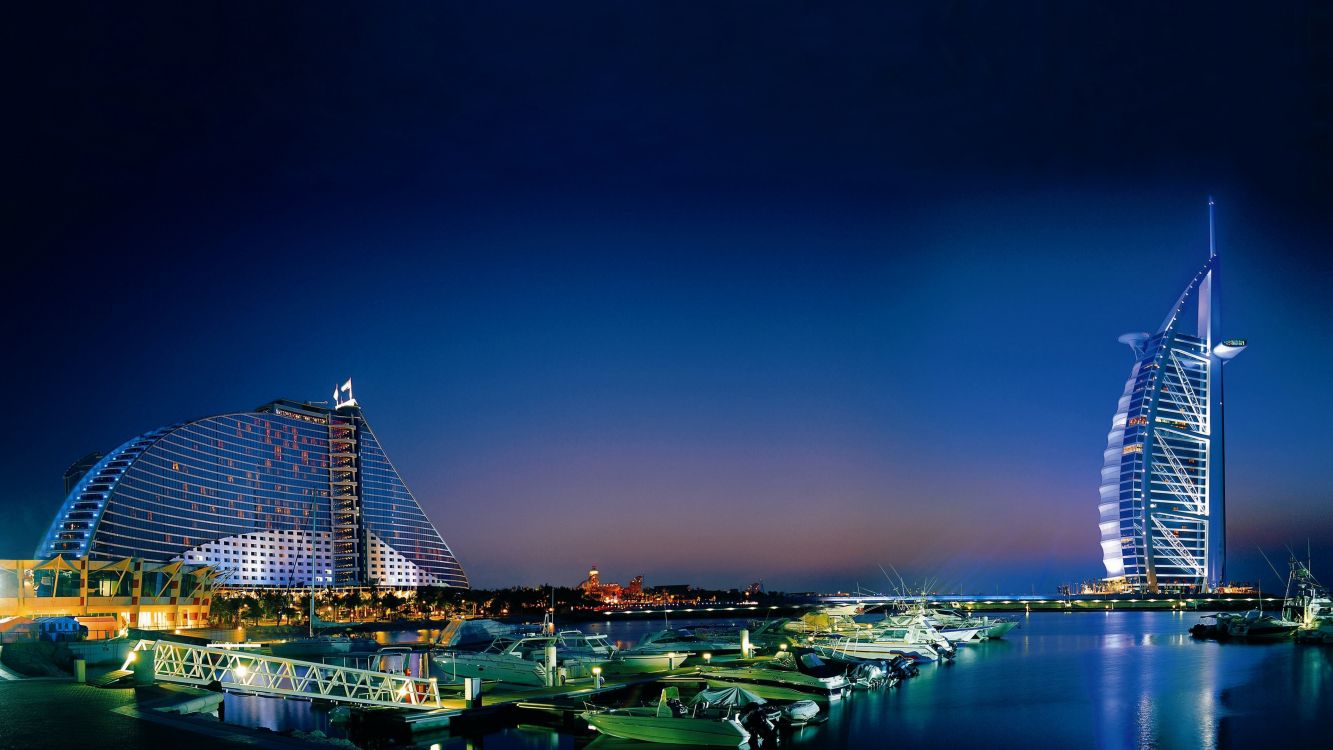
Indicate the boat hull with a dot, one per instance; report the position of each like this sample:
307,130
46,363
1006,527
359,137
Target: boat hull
668,730
764,678
885,650
632,663
488,667
767,692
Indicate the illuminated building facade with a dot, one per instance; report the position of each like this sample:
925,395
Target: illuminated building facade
1162,511
290,494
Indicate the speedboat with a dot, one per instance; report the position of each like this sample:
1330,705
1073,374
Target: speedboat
515,659
919,642
1310,607
946,619
786,673
955,631
579,652
732,700
576,643
1254,625
680,640
669,722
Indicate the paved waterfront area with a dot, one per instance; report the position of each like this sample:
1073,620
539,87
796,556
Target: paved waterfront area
42,713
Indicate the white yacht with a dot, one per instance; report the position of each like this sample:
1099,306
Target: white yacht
515,659
918,641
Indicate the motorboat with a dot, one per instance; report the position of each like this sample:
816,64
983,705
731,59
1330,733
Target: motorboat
1308,605
918,641
955,631
579,652
669,722
629,661
681,640
946,619
517,659
736,700
578,643
787,672
1254,625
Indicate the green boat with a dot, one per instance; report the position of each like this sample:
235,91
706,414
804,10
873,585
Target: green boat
669,722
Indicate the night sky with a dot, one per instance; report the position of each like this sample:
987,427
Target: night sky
711,292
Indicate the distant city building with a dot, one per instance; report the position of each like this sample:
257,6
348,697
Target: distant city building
1162,514
79,468
290,494
593,587
593,582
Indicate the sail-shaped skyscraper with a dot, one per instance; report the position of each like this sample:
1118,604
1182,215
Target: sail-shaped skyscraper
1162,509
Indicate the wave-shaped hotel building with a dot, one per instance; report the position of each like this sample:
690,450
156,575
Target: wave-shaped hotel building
1162,510
290,494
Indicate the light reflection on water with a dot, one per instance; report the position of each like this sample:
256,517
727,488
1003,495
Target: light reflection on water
1110,680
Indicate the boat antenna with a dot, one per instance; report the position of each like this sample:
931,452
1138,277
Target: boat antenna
1270,567
900,586
1212,246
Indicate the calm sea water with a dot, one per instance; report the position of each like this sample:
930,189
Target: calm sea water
1106,680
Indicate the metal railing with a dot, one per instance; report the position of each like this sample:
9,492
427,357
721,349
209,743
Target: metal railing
272,675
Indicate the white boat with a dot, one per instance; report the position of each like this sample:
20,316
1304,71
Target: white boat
1308,606
947,621
627,661
784,672
954,631
734,700
579,652
681,640
919,642
519,660
1256,625
669,722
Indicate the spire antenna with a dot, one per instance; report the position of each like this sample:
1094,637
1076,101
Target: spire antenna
1212,246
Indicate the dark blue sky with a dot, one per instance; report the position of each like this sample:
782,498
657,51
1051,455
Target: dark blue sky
712,293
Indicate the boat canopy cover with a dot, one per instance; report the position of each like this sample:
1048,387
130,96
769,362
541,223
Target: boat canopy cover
732,696
805,661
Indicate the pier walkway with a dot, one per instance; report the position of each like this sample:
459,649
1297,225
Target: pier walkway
245,672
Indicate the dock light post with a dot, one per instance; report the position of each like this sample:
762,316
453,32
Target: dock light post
745,643
597,678
708,658
782,646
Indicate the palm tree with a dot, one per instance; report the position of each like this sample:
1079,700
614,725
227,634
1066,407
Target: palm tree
391,603
251,608
225,611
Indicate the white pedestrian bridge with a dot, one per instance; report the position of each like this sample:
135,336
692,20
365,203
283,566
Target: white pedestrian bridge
239,671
